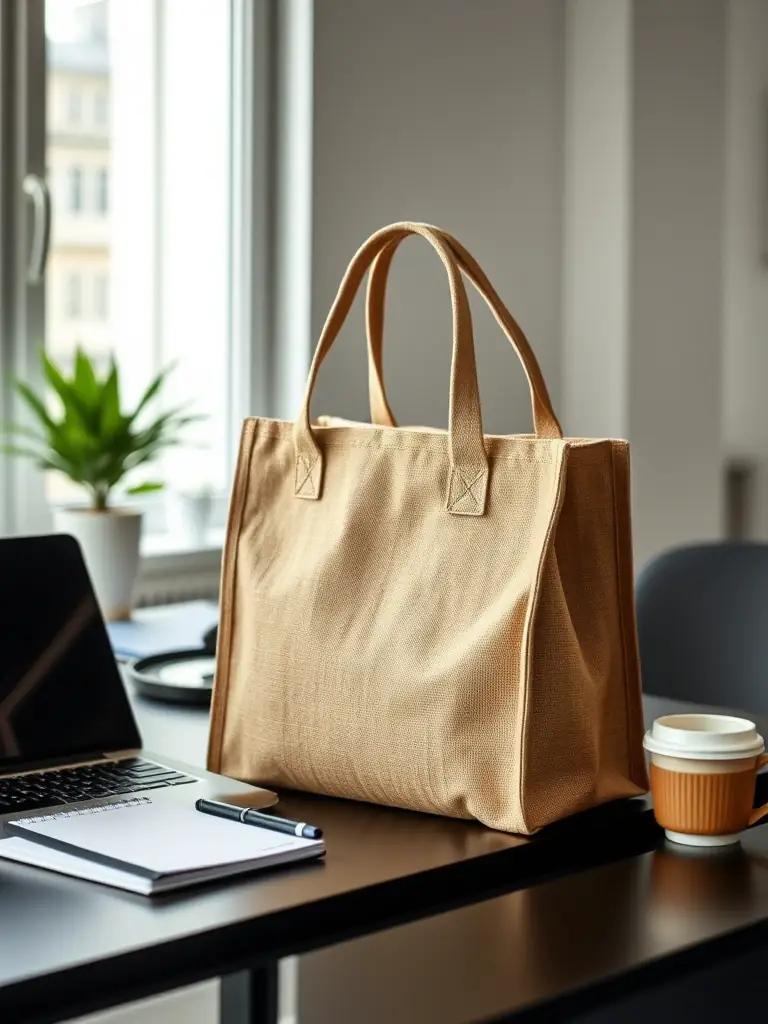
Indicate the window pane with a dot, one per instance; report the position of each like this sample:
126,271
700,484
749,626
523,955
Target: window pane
100,108
74,296
139,259
74,105
102,190
101,296
75,189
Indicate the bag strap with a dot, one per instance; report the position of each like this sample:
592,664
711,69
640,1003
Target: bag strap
468,477
545,421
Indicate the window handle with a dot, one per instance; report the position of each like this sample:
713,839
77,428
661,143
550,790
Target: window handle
37,189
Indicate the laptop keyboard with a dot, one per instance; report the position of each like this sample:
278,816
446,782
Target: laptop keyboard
69,785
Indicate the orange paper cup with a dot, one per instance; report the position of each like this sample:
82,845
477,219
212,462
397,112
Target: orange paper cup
703,770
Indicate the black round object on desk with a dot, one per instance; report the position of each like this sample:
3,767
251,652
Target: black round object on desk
182,677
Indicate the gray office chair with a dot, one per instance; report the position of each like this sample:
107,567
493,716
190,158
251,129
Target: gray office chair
702,616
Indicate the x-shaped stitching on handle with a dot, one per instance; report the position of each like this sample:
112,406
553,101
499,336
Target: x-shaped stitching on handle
308,465
467,488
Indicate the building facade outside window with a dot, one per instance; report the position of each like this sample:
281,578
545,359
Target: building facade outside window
101,297
73,302
102,190
100,108
75,189
74,106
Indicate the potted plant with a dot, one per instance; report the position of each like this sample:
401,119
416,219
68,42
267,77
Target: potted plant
100,446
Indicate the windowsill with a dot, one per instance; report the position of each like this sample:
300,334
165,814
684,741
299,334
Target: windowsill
173,570
169,545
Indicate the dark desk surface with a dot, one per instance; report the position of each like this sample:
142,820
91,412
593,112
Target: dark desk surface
562,946
96,946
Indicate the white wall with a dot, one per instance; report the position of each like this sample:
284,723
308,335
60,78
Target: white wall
643,241
449,112
597,217
676,261
745,321
745,412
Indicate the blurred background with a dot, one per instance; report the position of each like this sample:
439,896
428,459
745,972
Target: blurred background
213,165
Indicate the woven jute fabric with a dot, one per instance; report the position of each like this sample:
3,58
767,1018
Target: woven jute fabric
435,620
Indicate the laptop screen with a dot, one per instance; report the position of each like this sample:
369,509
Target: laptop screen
60,689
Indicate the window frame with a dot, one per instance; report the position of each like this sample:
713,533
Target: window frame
23,129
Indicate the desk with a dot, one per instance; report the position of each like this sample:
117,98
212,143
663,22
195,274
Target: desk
670,935
95,947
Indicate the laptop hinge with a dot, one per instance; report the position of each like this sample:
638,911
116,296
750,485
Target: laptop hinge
55,762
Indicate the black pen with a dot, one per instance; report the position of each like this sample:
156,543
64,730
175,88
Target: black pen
250,817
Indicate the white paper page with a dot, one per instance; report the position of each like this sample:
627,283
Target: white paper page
23,851
165,838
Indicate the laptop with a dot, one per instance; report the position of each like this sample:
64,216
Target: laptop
68,736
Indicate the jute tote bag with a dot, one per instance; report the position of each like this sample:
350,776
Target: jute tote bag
440,621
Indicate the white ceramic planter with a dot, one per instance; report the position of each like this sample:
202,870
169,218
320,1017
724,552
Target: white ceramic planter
110,543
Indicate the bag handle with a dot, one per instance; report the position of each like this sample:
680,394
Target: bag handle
468,477
544,419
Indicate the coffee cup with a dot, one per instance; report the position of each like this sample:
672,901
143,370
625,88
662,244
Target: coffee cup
703,770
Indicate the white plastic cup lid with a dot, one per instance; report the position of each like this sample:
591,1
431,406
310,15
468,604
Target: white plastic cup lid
706,737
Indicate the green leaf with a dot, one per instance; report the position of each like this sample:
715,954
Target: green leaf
85,376
35,404
75,405
18,430
145,488
151,391
110,402
41,460
56,378
61,466
19,451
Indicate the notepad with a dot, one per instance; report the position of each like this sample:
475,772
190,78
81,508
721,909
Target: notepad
148,847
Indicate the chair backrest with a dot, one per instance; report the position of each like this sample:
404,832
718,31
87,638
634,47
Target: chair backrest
702,615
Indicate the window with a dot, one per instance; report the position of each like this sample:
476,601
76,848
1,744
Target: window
139,267
74,106
102,190
100,108
74,190
101,297
73,296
